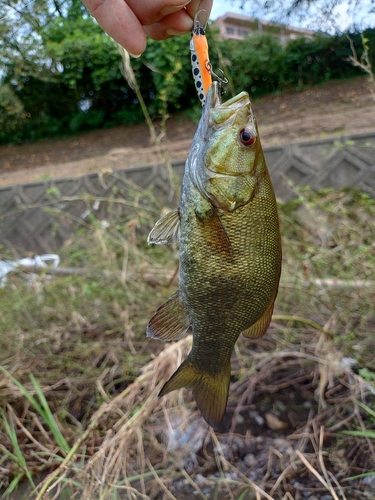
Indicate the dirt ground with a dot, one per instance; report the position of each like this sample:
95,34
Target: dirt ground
286,416
342,107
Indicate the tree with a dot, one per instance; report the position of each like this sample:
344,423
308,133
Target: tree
61,66
12,112
22,23
62,71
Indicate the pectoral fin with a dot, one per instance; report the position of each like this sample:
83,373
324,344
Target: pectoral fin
216,236
214,230
221,239
260,327
170,322
166,230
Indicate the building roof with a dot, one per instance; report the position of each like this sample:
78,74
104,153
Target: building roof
247,26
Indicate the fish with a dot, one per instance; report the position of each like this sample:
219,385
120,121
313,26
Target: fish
230,251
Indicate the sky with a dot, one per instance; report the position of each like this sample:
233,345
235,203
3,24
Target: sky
346,17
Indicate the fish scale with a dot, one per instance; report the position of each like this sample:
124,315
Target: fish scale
230,251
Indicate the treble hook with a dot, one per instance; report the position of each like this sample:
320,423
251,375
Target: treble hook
222,80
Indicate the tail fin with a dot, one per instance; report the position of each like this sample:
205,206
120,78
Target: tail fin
210,390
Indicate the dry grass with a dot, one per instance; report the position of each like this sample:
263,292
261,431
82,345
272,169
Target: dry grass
292,392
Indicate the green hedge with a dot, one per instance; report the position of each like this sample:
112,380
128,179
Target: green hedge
79,86
260,65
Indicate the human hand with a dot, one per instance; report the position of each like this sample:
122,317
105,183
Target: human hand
129,21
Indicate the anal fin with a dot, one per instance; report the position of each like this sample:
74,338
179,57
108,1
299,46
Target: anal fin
166,230
170,322
260,327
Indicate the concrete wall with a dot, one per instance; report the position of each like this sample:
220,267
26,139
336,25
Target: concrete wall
40,216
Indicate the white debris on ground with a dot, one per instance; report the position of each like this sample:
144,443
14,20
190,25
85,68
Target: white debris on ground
46,260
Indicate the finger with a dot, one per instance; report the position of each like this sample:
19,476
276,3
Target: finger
152,12
179,23
174,24
120,22
195,5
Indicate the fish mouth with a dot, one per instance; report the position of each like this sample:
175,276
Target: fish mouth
236,110
214,99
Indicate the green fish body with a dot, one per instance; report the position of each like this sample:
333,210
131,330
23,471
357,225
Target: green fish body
230,251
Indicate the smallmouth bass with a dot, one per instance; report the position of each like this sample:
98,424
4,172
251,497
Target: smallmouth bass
230,251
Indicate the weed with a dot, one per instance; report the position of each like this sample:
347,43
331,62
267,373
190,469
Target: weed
79,381
16,456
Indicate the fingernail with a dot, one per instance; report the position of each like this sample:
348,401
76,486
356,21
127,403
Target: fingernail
173,32
170,9
135,55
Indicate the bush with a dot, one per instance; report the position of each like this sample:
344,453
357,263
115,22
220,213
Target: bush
81,64
12,113
261,65
311,62
86,120
255,63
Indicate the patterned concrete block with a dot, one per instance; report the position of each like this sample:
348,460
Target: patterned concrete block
39,217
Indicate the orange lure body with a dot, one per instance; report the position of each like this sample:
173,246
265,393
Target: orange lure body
200,62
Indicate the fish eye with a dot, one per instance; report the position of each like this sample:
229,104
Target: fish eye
246,136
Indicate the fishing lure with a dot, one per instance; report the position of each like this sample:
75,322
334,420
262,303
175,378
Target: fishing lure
200,62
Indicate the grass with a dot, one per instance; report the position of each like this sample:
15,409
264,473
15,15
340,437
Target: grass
79,380
16,457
